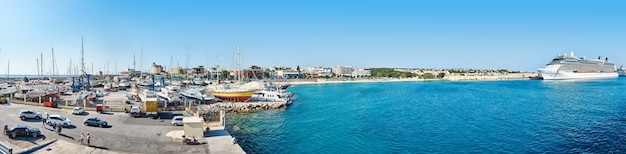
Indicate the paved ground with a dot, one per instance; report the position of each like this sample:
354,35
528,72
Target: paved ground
125,133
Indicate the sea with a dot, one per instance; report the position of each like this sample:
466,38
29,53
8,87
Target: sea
523,116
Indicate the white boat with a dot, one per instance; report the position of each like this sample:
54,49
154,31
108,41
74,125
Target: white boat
198,81
123,84
564,67
266,95
28,93
7,89
168,92
621,71
197,94
86,95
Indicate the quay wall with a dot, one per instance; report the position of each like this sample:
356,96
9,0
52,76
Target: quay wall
240,107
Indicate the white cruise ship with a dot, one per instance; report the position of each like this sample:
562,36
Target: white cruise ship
565,67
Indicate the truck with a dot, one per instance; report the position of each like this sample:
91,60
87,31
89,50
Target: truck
149,102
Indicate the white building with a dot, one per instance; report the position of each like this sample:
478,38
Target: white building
156,69
343,70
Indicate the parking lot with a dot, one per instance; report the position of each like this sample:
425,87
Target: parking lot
125,133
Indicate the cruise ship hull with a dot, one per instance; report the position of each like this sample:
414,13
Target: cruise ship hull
552,75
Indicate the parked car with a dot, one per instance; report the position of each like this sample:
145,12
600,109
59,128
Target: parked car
24,114
94,121
78,110
21,130
177,121
59,120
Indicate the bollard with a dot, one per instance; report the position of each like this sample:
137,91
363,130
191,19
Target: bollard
50,99
84,103
39,99
66,103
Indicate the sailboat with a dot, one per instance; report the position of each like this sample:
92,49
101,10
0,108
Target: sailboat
225,92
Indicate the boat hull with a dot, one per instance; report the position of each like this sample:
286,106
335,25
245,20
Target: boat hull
243,96
554,75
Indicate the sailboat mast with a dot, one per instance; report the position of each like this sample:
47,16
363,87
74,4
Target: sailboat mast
41,57
38,73
53,63
82,54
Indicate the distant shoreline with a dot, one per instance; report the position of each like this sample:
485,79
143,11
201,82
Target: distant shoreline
293,83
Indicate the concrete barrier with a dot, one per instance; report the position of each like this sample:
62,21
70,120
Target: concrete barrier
5,148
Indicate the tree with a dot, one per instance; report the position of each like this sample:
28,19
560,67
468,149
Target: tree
441,75
25,79
224,74
428,76
298,69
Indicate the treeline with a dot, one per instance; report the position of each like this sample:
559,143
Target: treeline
388,72
391,73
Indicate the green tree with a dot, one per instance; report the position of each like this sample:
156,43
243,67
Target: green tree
298,69
428,76
225,74
441,75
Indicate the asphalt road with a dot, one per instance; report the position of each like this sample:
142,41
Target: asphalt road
125,133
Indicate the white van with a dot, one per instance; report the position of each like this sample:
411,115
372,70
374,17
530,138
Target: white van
134,111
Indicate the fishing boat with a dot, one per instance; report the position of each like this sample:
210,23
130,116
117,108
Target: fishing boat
267,95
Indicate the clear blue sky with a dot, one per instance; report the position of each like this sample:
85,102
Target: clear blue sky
517,35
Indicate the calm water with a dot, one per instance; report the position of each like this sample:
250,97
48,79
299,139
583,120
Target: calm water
442,117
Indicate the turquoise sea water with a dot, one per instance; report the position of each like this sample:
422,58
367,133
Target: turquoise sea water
442,117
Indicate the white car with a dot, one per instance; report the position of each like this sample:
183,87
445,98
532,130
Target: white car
78,110
177,121
59,120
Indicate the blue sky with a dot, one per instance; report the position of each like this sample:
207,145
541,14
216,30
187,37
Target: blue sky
516,35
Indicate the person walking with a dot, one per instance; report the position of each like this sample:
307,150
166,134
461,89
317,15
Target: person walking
43,122
88,137
81,138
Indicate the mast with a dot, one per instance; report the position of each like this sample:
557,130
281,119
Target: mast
170,67
219,72
141,63
38,73
187,63
41,57
53,63
82,54
238,64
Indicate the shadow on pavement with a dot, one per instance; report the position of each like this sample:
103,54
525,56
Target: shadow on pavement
213,133
98,147
66,136
83,114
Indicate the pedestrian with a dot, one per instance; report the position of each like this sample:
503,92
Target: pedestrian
43,122
233,140
81,138
88,137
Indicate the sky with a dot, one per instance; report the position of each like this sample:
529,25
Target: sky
516,35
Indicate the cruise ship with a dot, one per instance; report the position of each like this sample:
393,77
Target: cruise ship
564,67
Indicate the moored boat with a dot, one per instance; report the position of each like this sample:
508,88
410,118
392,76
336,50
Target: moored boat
224,92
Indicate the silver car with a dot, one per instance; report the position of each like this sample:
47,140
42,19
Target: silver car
59,120
24,114
177,121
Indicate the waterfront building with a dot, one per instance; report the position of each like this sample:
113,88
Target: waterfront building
130,72
360,72
288,74
343,70
176,71
198,70
156,69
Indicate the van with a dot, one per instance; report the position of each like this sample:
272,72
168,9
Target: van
134,111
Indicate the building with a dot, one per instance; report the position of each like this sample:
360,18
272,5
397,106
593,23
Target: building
343,70
176,71
318,71
288,74
130,72
360,72
156,69
198,70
